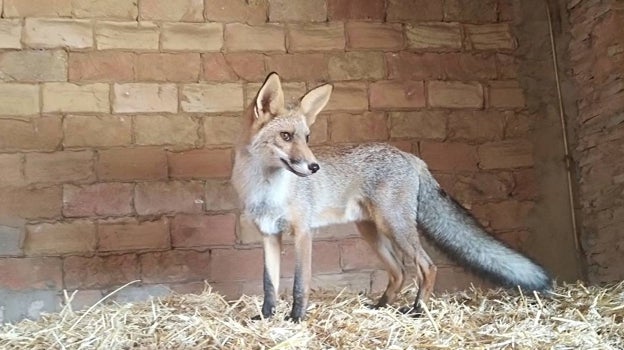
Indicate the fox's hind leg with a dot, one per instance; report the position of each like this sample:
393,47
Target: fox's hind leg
382,246
426,272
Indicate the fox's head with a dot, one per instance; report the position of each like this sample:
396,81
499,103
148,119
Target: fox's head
279,134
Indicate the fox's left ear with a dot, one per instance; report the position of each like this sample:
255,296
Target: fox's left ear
314,101
270,99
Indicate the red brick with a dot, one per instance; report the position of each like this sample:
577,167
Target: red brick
348,96
131,164
505,215
508,66
505,94
339,10
356,254
172,10
243,11
37,133
31,202
203,230
101,66
470,11
414,10
356,65
397,94
475,126
221,130
60,167
380,36
215,68
525,184
515,239
31,273
11,169
455,94
145,98
168,197
262,38
211,98
316,37
506,154
418,124
200,164
97,131
175,266
130,234
429,65
60,238
99,271
434,36
179,67
449,156
104,199
482,186
495,36
220,195
297,11
359,127
301,66
248,66
325,259
233,264
177,130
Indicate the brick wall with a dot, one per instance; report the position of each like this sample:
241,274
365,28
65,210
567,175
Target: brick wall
117,120
596,59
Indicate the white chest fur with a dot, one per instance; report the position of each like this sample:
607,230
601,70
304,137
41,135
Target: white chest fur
266,202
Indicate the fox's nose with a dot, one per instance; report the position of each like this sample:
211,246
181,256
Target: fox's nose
314,167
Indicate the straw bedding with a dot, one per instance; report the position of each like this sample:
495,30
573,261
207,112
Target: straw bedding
574,317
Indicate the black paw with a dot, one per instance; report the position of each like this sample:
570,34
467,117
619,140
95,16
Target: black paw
412,311
294,318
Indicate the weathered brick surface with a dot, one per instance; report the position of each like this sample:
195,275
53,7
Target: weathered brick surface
446,36
68,97
358,127
33,66
349,96
263,38
233,264
251,12
356,66
33,8
316,37
200,164
505,94
247,66
414,10
220,195
11,169
57,33
192,36
382,36
189,231
506,154
126,35
429,65
490,36
96,131
418,124
449,156
19,99
175,266
221,130
504,215
67,166
356,254
30,203
176,10
397,94
101,66
212,97
452,94
130,234
60,238
471,11
476,125
179,130
102,199
297,10
168,67
131,164
301,66
118,9
143,97
11,241
168,197
37,133
10,34
30,273
99,271
338,10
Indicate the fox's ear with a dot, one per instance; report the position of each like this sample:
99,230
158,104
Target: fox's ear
314,101
270,99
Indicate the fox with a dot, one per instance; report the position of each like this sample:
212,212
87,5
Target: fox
287,188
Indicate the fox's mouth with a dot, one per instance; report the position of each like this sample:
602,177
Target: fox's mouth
290,168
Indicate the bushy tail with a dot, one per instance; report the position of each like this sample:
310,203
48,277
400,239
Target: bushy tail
457,233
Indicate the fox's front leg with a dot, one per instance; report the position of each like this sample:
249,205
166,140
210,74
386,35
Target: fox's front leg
272,251
303,275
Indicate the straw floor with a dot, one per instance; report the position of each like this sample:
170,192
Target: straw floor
574,317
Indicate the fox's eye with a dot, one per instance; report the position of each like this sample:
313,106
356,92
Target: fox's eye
286,136
308,138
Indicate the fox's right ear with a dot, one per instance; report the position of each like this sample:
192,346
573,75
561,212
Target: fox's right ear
270,99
